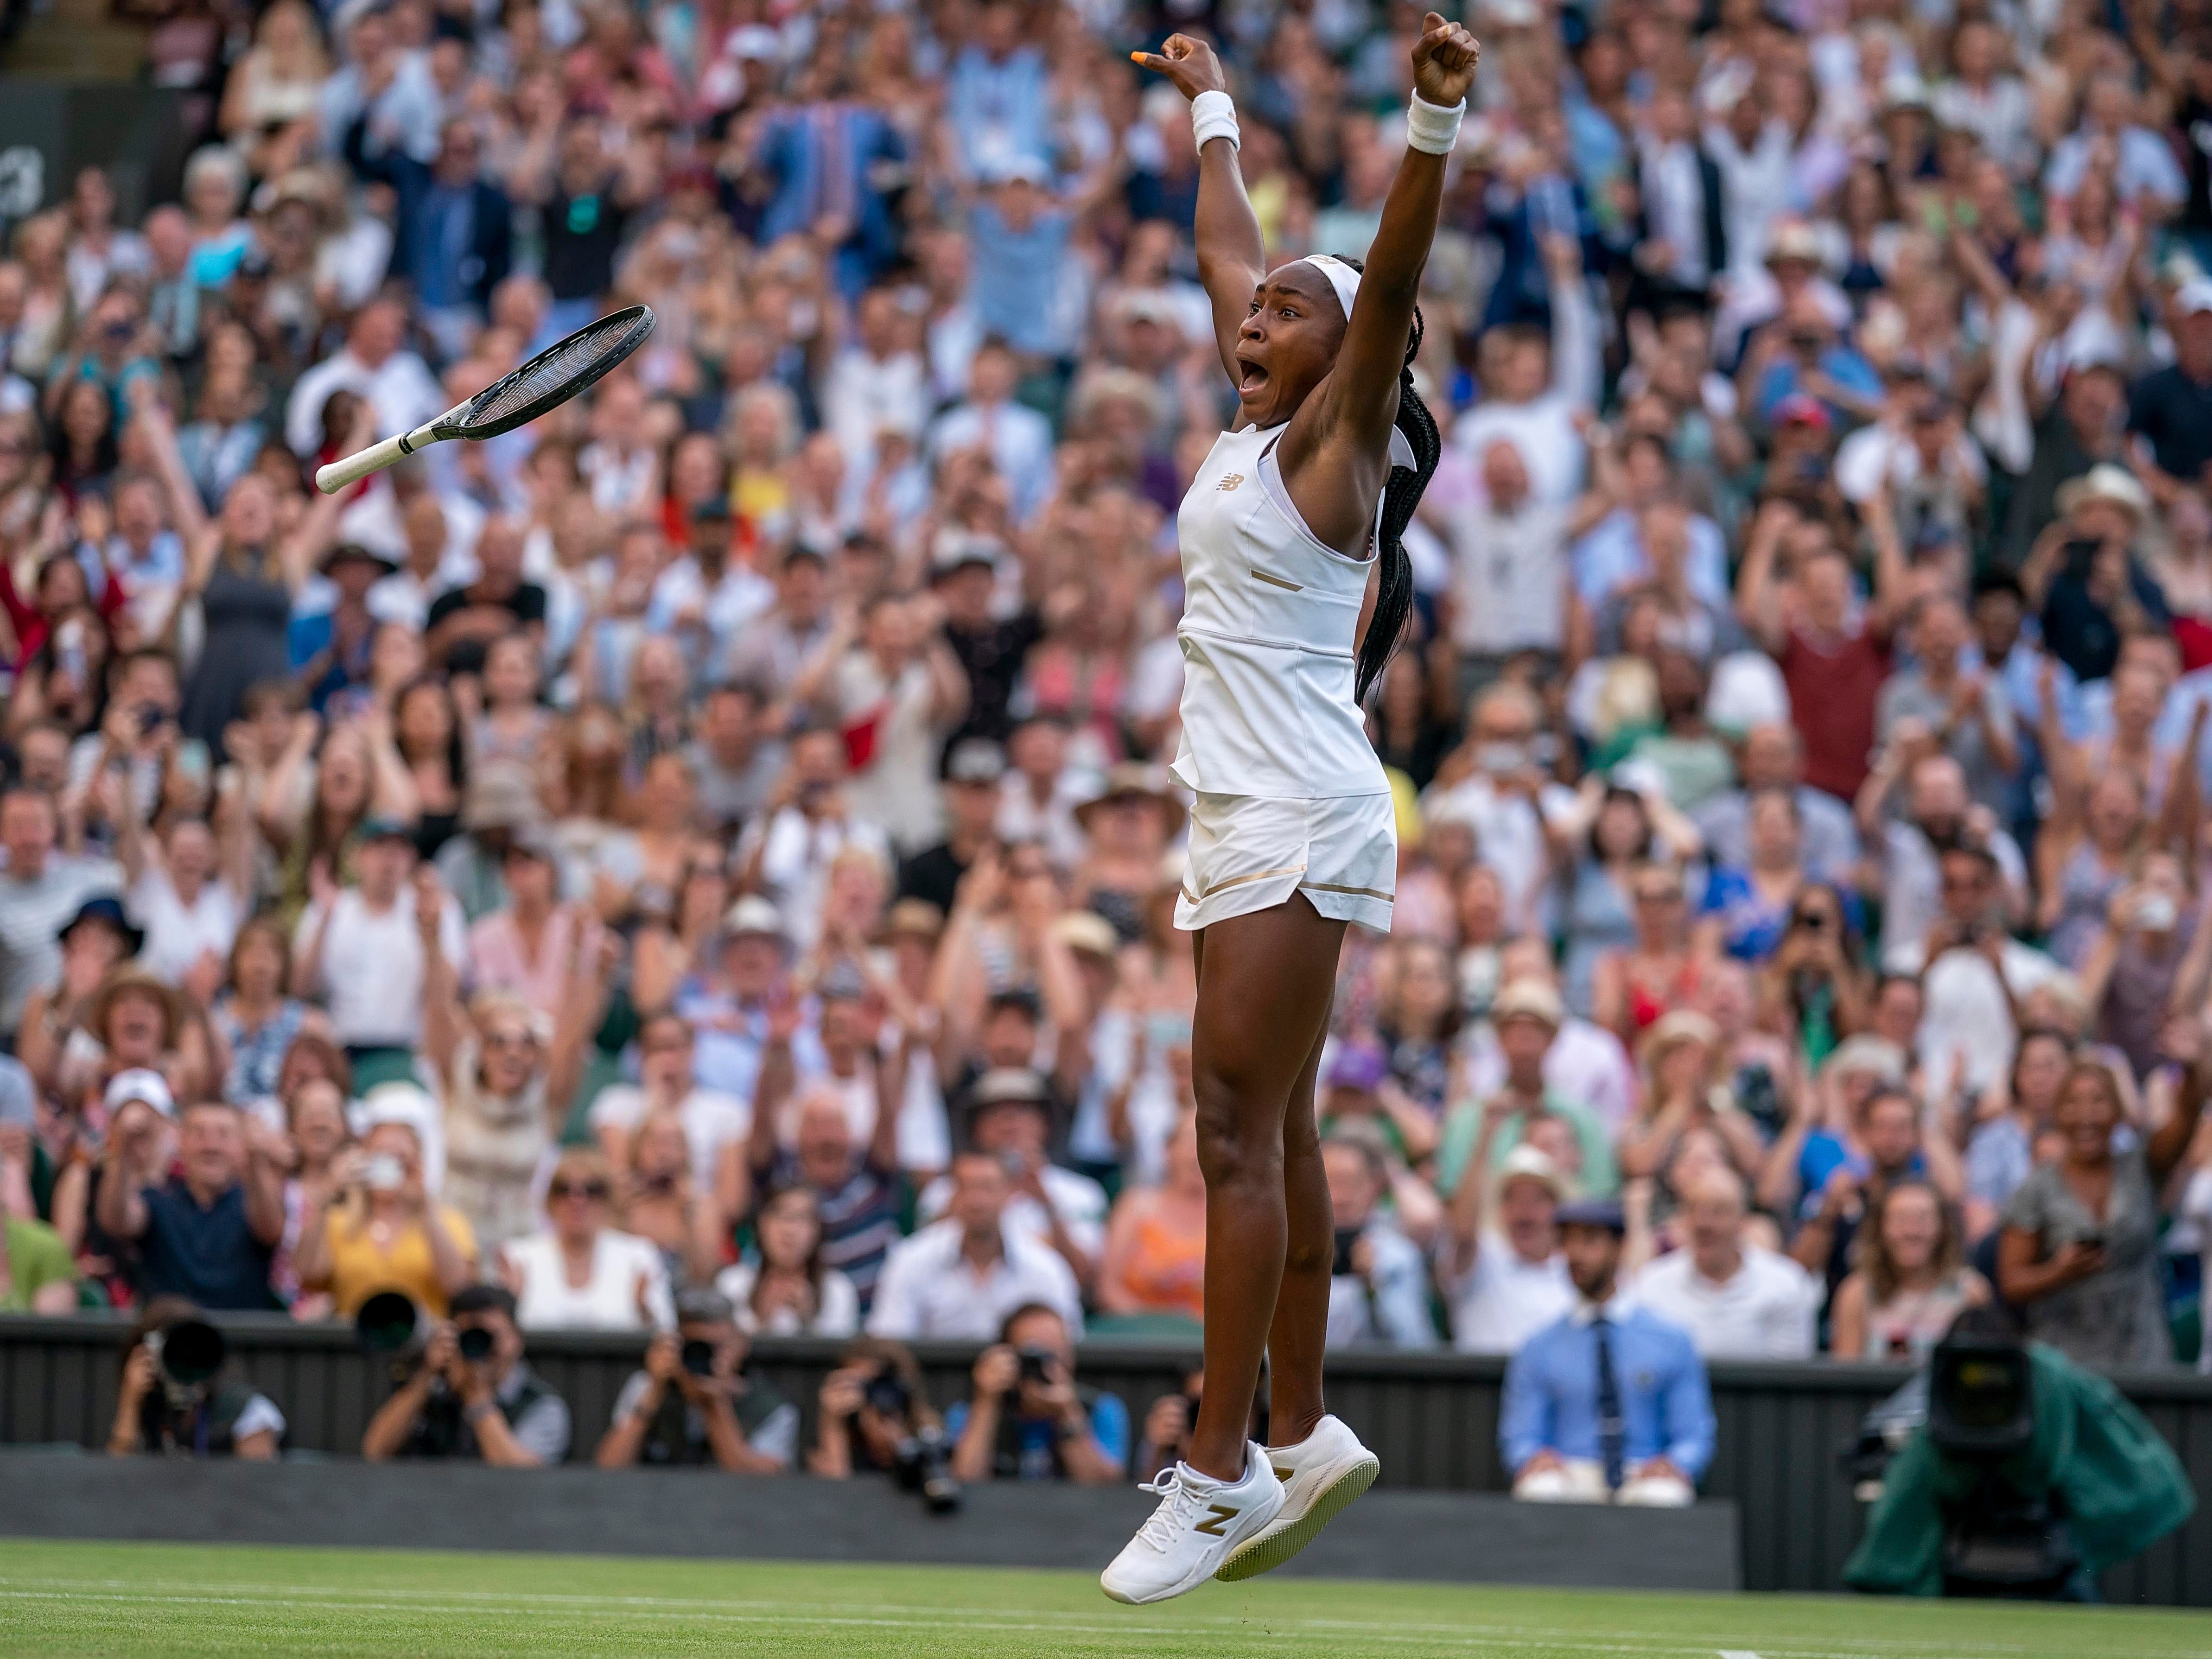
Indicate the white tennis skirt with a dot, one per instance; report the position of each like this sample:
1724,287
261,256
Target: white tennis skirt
1251,852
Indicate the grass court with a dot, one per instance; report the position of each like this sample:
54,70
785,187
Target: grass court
173,1599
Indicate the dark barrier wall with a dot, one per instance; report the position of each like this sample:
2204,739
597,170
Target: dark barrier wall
1432,1418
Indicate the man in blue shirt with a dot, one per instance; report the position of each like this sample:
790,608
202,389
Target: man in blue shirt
1028,1420
1609,1404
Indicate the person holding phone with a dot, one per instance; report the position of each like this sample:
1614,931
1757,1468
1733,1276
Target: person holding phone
379,1229
1378,1282
1028,1420
2079,1251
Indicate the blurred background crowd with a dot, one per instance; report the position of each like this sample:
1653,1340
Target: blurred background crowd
715,841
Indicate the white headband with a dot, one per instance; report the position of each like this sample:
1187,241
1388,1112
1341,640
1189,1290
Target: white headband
1346,281
1341,277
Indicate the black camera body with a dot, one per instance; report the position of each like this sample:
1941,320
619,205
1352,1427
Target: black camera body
186,1355
2000,1540
923,1464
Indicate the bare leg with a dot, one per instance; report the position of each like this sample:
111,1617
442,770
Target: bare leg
1300,1328
1264,988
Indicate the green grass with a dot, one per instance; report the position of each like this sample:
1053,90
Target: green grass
163,1599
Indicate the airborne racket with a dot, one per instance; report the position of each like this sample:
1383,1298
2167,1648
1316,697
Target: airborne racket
544,383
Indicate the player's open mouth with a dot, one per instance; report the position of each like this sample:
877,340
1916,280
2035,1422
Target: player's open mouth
1253,377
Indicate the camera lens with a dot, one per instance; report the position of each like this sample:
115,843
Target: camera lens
191,1352
475,1343
698,1357
386,1323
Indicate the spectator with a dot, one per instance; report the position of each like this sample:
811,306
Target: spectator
962,1276
2077,1252
696,1401
1735,1299
1912,1282
378,1229
790,1290
164,1408
206,1233
1504,1282
1010,1117
41,889
875,1401
1608,1403
472,1394
1027,1420
1377,1291
580,1270
1527,1017
1154,1261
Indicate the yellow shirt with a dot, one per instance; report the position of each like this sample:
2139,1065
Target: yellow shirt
360,1267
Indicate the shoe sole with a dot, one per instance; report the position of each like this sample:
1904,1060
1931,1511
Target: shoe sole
1185,1587
1269,1550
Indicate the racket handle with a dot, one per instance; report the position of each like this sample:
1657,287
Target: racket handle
353,468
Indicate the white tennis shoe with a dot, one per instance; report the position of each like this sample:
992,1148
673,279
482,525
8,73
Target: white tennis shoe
1321,1474
1198,1522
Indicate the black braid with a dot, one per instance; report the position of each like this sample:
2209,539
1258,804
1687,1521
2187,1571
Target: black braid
1394,594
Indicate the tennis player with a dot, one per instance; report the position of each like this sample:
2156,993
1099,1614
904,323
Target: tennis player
1295,514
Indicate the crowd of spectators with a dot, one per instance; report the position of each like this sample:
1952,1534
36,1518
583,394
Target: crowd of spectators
703,864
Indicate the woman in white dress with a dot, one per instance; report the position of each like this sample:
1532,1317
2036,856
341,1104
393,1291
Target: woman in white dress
1295,515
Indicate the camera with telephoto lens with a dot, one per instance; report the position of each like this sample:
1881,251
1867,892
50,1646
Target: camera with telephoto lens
1036,1366
186,1356
698,1358
392,1328
923,1463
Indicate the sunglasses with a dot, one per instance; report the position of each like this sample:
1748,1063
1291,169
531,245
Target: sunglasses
510,1040
596,1191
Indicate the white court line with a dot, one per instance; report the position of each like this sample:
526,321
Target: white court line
459,1600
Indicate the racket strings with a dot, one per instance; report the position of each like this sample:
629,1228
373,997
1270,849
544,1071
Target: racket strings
571,361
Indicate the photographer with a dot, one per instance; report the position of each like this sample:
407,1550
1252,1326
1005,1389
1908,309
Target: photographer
179,1393
472,1395
695,1403
1028,1421
869,1406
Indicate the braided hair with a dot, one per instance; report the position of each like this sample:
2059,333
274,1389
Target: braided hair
1394,594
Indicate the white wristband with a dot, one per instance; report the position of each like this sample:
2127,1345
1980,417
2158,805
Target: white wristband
1432,129
1213,115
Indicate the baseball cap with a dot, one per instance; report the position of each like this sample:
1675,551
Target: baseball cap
976,760
754,915
140,1084
1605,1212
956,550
1528,999
1356,1066
700,1305
1536,1165
381,827
1004,1086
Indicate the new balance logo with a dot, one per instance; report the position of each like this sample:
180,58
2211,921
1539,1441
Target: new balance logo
1222,1514
1230,481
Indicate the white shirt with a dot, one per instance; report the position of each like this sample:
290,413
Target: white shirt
1080,1201
1766,1311
1510,833
177,934
1967,1014
711,1119
626,1291
1504,1299
402,394
1879,453
837,1313
928,1292
862,395
1018,439
1543,429
371,973
1509,581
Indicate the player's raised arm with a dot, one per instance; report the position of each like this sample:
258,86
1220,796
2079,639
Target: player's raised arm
1362,394
1232,255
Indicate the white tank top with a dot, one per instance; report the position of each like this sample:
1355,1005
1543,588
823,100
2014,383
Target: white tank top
1270,614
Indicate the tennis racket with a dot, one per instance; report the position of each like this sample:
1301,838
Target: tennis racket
544,383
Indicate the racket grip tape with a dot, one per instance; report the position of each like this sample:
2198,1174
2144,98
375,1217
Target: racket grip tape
353,468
